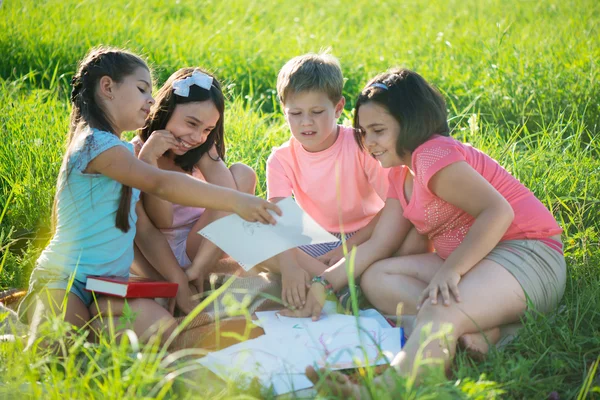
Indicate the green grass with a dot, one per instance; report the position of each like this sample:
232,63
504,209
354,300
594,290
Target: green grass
522,83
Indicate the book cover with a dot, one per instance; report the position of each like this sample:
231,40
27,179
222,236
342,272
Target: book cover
130,287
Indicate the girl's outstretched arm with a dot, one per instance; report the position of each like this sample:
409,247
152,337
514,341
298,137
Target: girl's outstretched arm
460,185
120,164
388,235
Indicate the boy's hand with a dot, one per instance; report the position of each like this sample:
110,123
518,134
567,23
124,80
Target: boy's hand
295,281
315,300
332,256
157,144
255,209
444,282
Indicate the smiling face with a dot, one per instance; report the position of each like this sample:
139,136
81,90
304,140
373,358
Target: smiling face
192,123
131,100
381,132
312,118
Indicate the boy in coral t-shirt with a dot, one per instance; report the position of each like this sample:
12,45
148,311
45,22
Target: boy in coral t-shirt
341,186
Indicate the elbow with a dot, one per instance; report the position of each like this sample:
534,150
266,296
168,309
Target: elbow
506,213
509,212
157,185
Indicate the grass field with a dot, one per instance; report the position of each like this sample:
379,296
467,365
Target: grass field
522,82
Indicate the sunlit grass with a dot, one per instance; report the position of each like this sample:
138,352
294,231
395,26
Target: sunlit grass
521,82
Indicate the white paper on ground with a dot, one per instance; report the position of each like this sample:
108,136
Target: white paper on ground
339,343
376,315
350,348
265,358
274,323
280,357
250,243
285,383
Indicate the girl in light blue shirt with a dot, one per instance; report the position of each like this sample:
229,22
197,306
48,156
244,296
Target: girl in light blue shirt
98,186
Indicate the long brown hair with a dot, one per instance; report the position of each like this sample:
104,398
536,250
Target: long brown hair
87,112
167,100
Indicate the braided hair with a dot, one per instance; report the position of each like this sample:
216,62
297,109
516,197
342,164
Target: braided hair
88,112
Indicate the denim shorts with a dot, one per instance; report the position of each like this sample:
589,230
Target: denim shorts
44,279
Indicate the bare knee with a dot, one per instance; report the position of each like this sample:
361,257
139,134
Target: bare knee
371,285
370,280
441,316
244,177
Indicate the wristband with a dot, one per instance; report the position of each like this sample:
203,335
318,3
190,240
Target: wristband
328,286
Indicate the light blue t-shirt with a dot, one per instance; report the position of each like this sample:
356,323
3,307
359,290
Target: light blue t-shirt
86,238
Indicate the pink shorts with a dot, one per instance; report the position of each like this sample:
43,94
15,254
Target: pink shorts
177,239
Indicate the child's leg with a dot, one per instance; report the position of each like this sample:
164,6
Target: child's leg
142,267
491,296
402,278
147,316
399,280
49,302
203,253
151,244
244,177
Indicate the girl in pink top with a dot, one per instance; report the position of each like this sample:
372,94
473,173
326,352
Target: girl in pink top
187,122
497,248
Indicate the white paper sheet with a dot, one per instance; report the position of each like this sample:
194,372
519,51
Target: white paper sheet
350,347
280,357
250,243
265,358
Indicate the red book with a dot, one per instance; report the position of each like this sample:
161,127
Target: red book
130,287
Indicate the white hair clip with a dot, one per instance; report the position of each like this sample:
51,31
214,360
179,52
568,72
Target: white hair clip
181,87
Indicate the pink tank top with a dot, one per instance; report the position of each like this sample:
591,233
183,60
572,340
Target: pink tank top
184,216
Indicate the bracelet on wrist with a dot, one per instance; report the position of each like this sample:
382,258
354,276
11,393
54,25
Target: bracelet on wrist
321,280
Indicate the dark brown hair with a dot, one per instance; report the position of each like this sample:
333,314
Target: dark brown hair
88,112
418,107
167,100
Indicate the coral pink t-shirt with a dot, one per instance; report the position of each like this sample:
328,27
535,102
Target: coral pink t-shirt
445,224
312,179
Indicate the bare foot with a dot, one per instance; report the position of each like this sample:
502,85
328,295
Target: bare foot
478,344
335,383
